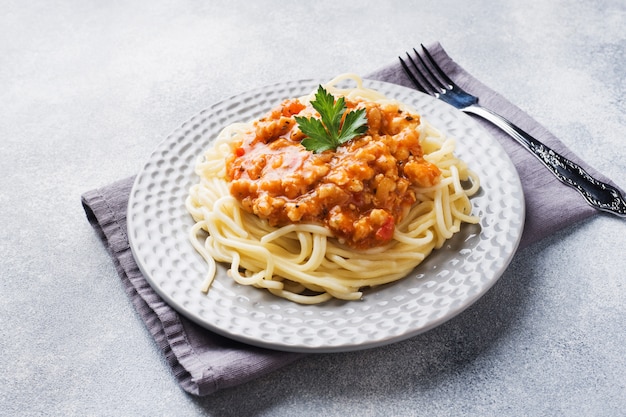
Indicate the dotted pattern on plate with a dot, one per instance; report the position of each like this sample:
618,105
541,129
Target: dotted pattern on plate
446,283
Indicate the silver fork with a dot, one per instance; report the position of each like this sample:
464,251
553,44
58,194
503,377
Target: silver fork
428,77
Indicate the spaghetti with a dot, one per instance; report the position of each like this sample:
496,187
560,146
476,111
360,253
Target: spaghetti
311,227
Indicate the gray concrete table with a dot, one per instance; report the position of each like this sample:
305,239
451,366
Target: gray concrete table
87,89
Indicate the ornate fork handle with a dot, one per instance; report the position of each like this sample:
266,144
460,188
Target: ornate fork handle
603,196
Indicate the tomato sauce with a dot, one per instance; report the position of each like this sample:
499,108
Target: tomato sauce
360,191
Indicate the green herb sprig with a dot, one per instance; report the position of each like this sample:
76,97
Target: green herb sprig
329,132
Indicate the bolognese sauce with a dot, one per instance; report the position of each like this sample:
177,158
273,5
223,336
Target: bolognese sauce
359,191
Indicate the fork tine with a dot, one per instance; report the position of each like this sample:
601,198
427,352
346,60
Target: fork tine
412,77
423,83
435,83
436,67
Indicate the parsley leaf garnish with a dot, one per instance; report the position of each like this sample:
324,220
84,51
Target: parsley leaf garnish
329,132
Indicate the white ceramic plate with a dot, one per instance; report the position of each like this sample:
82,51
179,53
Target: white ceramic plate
446,283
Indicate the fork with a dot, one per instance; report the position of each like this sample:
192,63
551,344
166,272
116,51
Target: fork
429,78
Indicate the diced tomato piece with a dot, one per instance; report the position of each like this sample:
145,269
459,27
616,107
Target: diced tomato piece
385,232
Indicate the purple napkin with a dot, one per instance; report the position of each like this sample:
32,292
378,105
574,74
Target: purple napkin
204,362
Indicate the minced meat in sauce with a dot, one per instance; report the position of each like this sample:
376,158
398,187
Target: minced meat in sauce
360,191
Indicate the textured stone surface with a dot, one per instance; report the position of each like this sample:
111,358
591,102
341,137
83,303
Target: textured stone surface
87,90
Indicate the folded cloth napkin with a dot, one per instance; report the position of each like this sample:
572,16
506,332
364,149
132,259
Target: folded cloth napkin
204,362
